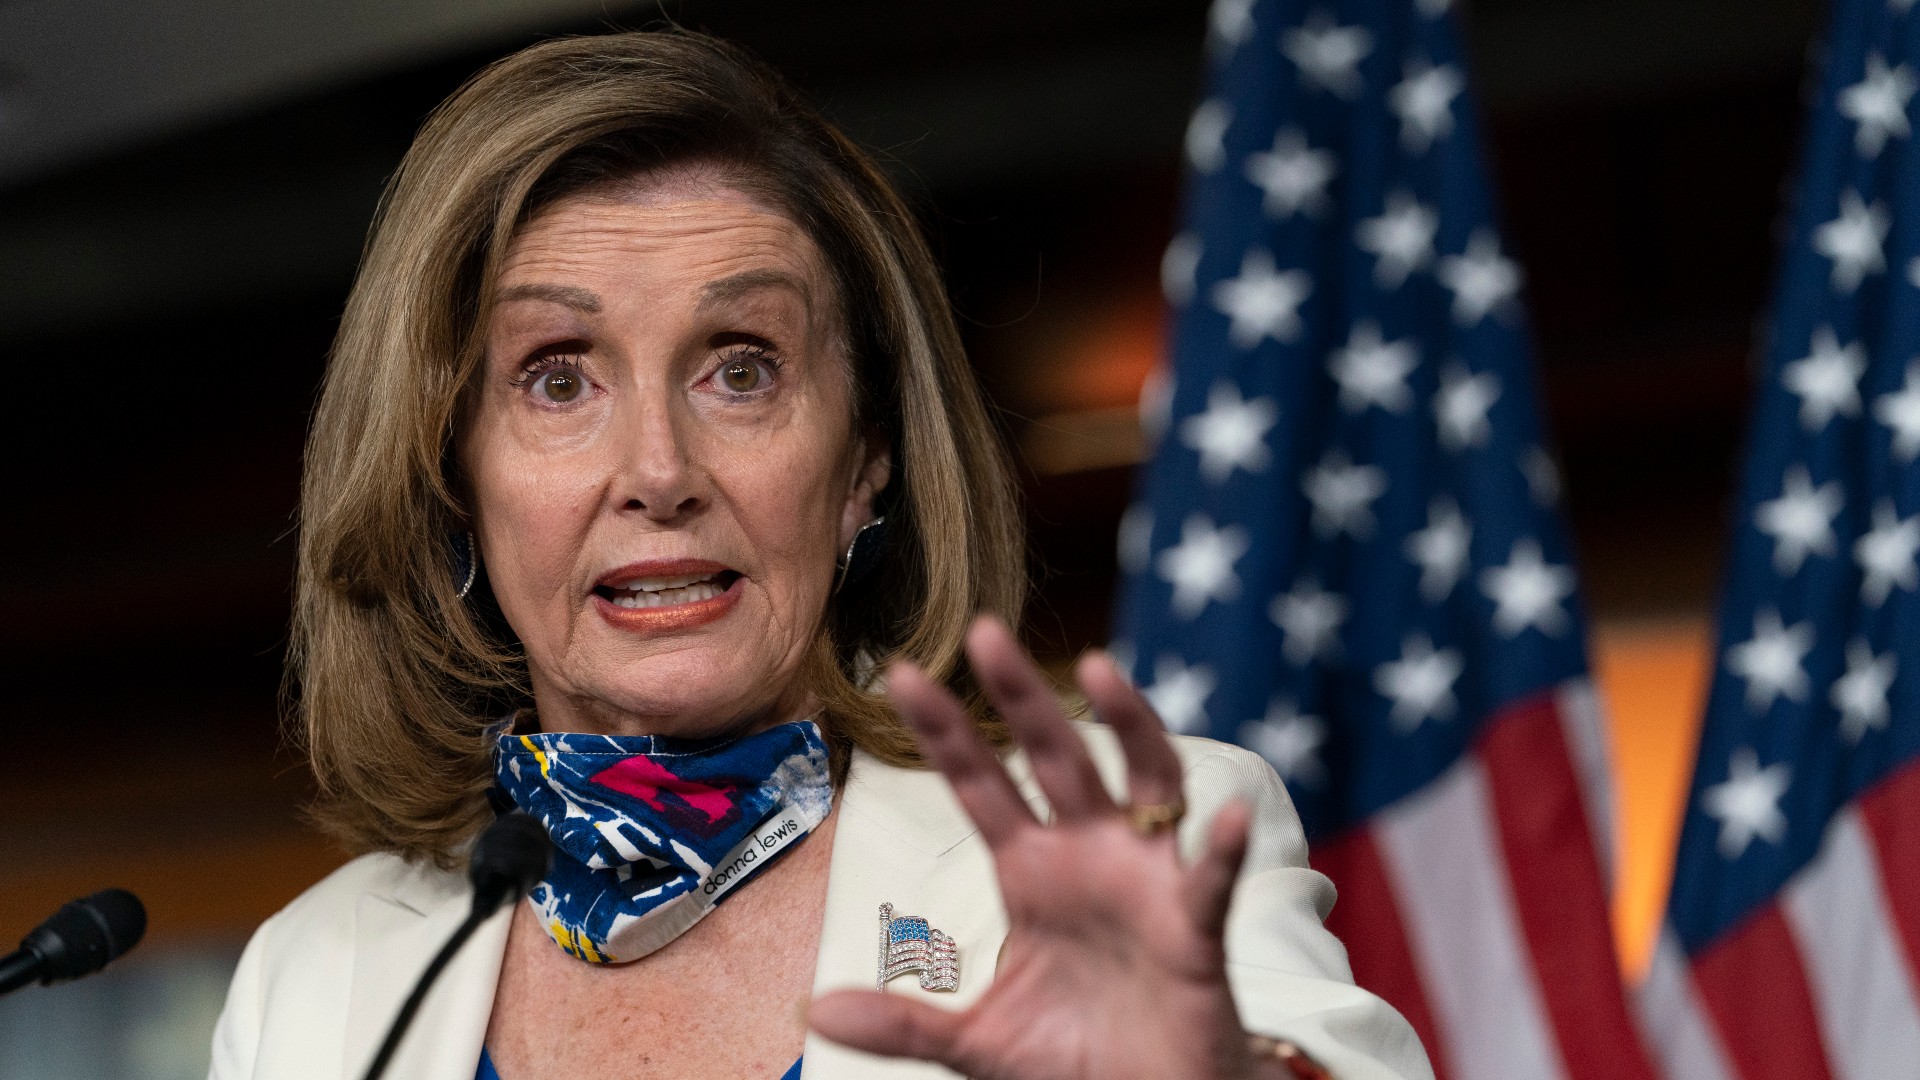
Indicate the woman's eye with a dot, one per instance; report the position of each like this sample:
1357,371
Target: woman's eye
743,376
559,386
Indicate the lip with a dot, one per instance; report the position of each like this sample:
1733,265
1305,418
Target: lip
671,618
660,568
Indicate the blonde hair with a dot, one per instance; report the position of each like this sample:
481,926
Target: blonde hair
394,680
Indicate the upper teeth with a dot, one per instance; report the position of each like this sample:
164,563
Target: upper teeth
657,584
666,592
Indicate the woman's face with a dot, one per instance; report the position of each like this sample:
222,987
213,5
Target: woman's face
663,458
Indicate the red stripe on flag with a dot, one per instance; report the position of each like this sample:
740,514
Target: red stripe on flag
1559,893
1892,813
1367,920
1753,985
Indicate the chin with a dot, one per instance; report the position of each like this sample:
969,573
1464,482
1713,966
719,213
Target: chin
696,692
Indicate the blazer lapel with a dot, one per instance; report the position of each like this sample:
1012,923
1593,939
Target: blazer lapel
902,839
397,932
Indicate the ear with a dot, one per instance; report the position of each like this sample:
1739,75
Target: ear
873,467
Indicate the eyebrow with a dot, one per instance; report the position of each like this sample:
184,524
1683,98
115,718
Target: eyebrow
734,286
565,295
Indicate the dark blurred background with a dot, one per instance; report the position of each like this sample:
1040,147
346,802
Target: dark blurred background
185,186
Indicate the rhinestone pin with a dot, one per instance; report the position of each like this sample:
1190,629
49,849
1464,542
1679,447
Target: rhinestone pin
909,944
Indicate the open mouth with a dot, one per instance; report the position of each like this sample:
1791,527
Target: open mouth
667,591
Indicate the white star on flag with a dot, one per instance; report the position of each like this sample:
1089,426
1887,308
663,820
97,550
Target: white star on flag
1374,372
1133,541
1232,433
1801,519
1309,617
1770,660
1179,693
1262,302
1861,694
1401,237
1290,741
1528,591
1156,405
1747,802
1480,278
1200,566
1207,133
1420,683
1543,476
1900,411
1878,104
1441,549
1329,55
1460,406
1178,266
1230,22
1853,241
1886,554
1293,176
1826,380
1423,101
1342,494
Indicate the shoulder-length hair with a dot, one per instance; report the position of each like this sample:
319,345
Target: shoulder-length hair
394,681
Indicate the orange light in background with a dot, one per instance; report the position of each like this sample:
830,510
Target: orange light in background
1101,362
1083,388
1652,676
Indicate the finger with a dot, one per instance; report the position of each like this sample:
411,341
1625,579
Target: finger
1153,769
1027,703
886,1024
950,740
1209,885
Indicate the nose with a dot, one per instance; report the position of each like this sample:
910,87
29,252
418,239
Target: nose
660,476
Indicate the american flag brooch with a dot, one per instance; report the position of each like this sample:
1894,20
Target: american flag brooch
909,944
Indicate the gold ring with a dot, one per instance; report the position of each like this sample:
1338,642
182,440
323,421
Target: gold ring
1152,819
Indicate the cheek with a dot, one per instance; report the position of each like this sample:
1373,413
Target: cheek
789,505
531,513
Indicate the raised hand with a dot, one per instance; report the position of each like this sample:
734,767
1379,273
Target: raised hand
1114,966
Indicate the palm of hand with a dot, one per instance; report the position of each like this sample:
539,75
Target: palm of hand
1113,966
1105,973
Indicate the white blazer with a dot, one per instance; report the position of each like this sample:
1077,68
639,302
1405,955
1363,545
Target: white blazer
320,981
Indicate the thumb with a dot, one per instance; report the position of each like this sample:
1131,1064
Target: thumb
886,1024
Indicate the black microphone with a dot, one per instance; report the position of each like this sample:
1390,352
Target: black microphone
507,860
81,938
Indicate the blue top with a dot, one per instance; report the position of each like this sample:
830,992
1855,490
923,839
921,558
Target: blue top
488,1072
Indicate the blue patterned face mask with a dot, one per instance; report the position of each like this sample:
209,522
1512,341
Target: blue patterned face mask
651,832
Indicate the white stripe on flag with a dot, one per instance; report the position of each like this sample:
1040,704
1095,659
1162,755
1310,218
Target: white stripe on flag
1580,721
1862,990
1676,1025
1442,852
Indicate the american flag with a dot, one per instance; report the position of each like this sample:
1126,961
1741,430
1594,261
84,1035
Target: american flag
1346,554
1793,928
909,944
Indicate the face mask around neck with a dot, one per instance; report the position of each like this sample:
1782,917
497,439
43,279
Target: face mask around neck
651,832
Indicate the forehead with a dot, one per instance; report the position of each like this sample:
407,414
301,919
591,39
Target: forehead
679,226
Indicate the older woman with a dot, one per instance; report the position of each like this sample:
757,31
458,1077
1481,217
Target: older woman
641,355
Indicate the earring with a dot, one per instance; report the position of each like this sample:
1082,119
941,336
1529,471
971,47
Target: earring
861,554
466,562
